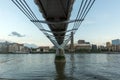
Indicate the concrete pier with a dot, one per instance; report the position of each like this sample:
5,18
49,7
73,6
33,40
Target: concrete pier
60,57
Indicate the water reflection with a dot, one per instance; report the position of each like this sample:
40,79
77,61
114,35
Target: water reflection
93,58
77,67
62,72
60,69
72,59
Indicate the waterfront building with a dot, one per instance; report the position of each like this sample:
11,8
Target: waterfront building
17,48
101,48
115,48
26,49
94,47
116,42
1,47
109,46
81,41
33,50
87,42
43,49
4,47
116,45
80,47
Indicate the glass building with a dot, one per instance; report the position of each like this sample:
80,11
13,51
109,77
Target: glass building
116,42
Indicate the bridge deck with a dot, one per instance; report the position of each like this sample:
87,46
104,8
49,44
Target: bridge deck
56,11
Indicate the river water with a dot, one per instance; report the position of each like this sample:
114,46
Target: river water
77,67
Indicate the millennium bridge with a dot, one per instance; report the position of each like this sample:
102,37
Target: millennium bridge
56,14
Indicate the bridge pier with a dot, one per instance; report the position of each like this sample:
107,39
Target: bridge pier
60,57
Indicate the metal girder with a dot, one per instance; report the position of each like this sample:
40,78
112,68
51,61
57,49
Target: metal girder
57,31
58,22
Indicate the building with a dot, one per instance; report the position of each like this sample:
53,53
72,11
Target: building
43,49
116,45
87,42
81,41
26,49
116,42
109,46
4,47
17,48
115,48
102,48
1,47
94,47
83,47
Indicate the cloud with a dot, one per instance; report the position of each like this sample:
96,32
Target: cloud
16,34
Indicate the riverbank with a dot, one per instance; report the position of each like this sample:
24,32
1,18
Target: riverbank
66,53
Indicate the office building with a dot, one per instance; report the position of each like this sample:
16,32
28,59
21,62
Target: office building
81,41
116,42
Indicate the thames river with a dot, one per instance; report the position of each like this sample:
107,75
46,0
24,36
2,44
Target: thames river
77,67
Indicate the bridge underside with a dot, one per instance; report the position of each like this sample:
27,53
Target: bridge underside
56,14
56,11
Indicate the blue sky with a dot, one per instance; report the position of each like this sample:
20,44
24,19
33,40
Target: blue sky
100,25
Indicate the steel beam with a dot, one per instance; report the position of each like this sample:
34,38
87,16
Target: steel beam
57,22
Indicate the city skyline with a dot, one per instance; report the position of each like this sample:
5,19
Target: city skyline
101,24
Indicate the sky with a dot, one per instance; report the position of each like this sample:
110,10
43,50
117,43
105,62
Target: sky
102,24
